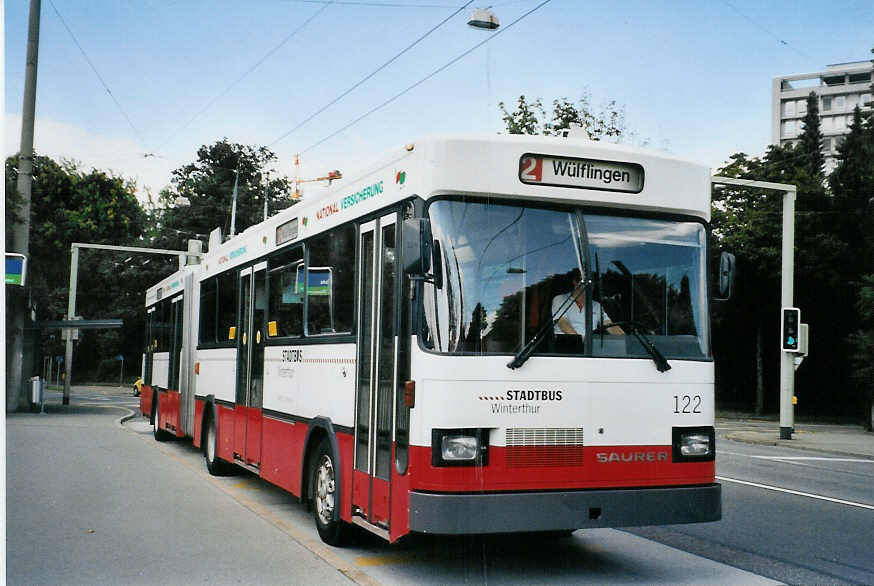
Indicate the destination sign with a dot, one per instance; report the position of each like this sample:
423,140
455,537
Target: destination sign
581,173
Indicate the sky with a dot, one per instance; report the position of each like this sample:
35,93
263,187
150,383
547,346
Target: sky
135,87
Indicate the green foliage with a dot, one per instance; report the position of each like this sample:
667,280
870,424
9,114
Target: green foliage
810,141
834,248
69,204
201,193
530,118
862,344
525,119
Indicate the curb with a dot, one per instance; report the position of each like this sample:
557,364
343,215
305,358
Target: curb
741,437
121,420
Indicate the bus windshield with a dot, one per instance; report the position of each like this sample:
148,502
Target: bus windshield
504,273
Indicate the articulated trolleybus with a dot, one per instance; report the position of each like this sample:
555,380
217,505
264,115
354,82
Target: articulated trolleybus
475,335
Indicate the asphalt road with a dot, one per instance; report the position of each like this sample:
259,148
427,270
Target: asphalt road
797,516
114,506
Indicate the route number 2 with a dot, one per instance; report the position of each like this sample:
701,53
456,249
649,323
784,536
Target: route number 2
687,403
531,169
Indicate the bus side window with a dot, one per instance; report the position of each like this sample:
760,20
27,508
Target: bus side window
331,282
285,304
208,310
227,305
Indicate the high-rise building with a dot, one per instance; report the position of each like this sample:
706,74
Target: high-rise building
839,89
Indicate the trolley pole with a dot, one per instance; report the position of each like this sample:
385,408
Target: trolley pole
787,278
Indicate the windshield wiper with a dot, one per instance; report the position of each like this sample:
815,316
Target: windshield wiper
660,361
657,357
528,349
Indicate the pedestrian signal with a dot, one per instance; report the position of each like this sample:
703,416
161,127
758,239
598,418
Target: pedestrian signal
790,329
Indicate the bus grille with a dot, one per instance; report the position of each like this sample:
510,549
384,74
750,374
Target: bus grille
542,447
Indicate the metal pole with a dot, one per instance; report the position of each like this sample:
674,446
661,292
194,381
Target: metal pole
787,370
121,375
74,274
234,206
15,398
266,194
71,312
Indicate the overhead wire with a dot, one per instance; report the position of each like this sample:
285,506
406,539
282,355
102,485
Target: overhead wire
247,72
426,78
121,109
762,28
371,74
374,4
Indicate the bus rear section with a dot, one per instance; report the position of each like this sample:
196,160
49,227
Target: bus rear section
165,396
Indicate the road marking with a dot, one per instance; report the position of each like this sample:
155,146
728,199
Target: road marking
814,458
797,493
799,458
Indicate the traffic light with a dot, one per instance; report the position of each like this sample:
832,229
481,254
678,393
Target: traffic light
790,329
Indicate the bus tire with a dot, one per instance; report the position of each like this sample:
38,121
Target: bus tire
160,434
215,465
325,495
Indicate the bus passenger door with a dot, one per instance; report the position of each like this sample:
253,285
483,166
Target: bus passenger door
175,343
377,356
251,337
148,355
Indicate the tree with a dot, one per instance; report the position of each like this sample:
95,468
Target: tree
747,222
810,141
525,119
72,205
862,342
530,118
201,193
852,183
743,222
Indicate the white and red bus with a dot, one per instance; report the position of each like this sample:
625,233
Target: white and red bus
474,335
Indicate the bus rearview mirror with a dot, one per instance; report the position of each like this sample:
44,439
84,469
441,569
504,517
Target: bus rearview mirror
725,282
416,249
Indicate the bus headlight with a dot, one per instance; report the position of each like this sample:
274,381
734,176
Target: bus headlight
459,447
694,444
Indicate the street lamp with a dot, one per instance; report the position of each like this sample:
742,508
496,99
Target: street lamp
483,18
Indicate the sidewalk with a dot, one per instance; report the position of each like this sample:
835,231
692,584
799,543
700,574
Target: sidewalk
849,440
99,388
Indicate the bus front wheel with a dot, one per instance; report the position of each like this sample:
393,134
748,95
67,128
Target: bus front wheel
325,495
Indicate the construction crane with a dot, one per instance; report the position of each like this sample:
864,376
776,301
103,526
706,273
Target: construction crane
331,176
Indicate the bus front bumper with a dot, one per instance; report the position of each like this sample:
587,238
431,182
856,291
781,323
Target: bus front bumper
452,514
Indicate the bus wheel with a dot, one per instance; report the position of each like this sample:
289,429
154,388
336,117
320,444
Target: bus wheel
160,434
325,493
215,465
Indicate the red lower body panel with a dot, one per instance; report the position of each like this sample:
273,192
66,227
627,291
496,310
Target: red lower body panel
595,467
346,445
171,407
400,503
146,393
198,421
282,453
225,430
